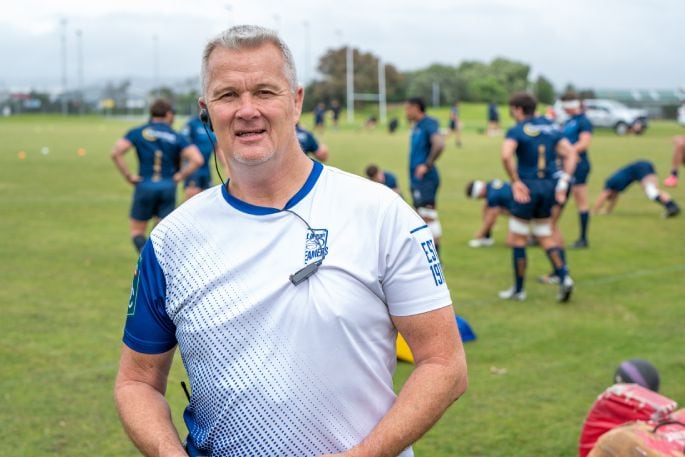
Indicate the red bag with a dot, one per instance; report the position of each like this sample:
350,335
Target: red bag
619,404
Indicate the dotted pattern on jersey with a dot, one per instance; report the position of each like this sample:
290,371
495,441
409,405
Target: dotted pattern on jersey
245,399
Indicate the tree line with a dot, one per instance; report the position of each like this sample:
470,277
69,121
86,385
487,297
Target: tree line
470,81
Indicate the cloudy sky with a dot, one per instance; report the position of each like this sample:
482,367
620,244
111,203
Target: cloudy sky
606,44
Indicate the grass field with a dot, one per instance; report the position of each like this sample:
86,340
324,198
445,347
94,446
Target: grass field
534,370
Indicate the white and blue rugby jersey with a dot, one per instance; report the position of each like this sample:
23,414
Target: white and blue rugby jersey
274,368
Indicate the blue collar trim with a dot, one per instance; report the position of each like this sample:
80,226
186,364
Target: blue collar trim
264,210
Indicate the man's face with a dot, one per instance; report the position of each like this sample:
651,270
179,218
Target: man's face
251,103
412,112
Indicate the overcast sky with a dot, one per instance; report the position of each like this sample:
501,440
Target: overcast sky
600,44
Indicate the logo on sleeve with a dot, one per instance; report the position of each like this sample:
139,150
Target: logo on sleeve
316,246
433,261
134,288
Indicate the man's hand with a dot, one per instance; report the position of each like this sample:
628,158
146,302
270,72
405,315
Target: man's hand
420,171
133,179
520,191
560,196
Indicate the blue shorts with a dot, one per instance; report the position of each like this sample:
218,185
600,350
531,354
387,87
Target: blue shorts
153,199
203,182
541,200
423,192
627,175
582,171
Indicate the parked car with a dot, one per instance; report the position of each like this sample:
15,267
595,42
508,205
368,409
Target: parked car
681,114
610,114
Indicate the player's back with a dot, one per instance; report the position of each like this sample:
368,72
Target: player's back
536,139
159,150
499,194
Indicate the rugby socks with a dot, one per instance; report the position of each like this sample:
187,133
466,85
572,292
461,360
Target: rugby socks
584,220
488,234
139,242
519,260
671,206
674,172
557,258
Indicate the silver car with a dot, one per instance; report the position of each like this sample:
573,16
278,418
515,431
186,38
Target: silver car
610,114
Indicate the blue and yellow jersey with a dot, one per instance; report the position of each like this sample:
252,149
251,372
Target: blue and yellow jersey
159,150
536,139
498,194
200,136
576,125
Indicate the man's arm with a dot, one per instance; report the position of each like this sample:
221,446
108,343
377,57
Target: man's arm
583,143
121,147
192,160
439,378
437,146
570,158
518,189
139,394
489,219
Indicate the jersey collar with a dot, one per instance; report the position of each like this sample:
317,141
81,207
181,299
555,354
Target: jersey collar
264,210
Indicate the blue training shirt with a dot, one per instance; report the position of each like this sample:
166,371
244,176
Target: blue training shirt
197,133
390,180
632,172
498,194
420,147
536,139
159,150
306,138
576,125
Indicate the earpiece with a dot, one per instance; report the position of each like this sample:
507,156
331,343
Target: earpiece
204,117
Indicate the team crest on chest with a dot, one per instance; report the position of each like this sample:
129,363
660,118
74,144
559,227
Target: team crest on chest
316,245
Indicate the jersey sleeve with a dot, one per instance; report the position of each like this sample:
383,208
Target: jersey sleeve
131,136
585,125
183,141
512,134
148,328
432,127
410,270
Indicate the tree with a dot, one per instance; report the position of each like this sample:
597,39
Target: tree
333,85
487,89
511,74
544,90
452,85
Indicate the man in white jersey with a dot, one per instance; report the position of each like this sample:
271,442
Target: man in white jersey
284,290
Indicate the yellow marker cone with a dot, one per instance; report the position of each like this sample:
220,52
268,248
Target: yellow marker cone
21,155
81,152
403,351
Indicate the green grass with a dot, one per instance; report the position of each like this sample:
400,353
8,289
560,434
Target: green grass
67,262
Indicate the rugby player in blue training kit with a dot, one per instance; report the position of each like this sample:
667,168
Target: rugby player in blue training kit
426,145
535,142
643,172
198,134
383,177
309,144
160,151
578,130
498,200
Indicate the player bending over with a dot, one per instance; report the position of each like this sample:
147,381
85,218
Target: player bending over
643,172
